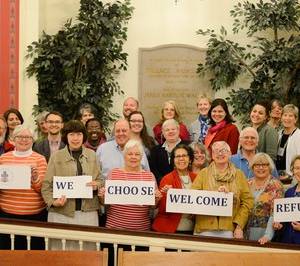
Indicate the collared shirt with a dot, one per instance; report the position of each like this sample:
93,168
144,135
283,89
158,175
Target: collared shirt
110,156
165,145
54,146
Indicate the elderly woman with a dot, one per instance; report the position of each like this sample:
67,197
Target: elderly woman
26,204
73,160
201,157
290,231
181,177
275,114
133,217
170,111
289,139
222,176
265,189
160,155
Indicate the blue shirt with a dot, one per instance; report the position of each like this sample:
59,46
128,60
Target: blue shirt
110,156
242,163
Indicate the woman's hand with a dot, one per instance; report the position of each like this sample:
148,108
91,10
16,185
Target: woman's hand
296,226
238,232
93,184
277,226
223,189
101,192
165,188
263,240
60,201
158,196
34,174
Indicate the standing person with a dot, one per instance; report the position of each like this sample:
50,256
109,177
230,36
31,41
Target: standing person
170,111
289,232
182,178
264,188
130,105
95,134
73,160
221,175
198,129
289,140
13,118
221,128
139,131
268,136
24,204
201,157
53,142
3,127
86,111
160,156
41,126
275,114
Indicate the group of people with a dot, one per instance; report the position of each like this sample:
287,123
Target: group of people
211,154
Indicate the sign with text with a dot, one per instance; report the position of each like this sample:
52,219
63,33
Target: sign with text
129,192
199,202
287,210
15,176
72,187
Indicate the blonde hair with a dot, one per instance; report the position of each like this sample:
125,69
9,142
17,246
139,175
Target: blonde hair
203,97
176,115
262,157
291,108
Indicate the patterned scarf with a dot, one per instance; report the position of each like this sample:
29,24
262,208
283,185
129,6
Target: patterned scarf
204,122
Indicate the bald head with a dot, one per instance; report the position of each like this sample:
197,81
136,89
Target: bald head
130,104
121,132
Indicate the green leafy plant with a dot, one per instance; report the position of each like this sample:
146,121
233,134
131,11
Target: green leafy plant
79,64
271,60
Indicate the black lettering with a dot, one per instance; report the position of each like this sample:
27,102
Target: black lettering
224,202
150,190
206,200
199,200
61,185
215,201
279,208
118,190
174,198
183,198
286,207
70,185
293,206
126,190
144,191
110,189
134,190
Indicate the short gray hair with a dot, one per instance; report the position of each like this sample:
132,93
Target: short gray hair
261,157
20,128
221,142
169,122
133,143
247,129
291,108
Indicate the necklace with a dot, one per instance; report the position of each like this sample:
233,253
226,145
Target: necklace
261,187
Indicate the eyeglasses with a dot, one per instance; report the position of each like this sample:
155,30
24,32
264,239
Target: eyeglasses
178,156
23,137
260,165
51,122
136,121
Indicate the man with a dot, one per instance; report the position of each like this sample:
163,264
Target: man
130,104
248,145
53,142
110,154
3,127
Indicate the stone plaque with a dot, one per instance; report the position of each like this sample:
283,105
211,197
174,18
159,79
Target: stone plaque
168,72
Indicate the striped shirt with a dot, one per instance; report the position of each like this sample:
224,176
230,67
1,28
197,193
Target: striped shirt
24,201
134,217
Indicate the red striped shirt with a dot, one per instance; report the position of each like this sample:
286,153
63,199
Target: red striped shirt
135,217
24,201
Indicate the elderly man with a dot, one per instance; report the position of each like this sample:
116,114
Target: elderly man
248,144
3,127
110,154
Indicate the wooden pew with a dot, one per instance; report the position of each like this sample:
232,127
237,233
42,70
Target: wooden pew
129,258
57,258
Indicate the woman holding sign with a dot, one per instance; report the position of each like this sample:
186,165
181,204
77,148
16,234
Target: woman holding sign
289,232
72,161
265,189
221,175
181,177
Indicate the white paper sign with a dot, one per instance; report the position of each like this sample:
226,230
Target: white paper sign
287,210
72,187
199,202
129,192
15,176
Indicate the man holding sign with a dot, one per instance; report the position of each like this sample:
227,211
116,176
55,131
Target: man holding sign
221,175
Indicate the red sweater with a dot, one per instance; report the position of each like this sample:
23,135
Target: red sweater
167,222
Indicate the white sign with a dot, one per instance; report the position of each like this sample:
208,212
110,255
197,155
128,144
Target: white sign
15,176
72,187
199,202
287,210
129,192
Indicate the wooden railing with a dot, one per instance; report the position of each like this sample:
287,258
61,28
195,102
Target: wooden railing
155,241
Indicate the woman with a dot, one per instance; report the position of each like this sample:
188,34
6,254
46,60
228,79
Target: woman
170,111
222,176
275,114
95,135
139,131
265,189
199,127
25,204
73,160
201,157
268,136
221,128
133,217
289,139
13,118
41,126
181,177
160,156
290,232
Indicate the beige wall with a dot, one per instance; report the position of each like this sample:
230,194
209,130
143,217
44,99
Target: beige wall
154,22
